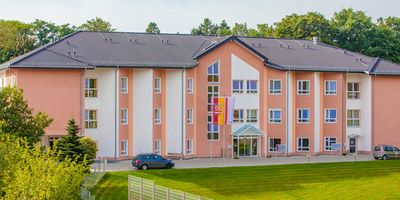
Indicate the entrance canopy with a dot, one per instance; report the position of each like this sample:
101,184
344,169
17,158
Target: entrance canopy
248,130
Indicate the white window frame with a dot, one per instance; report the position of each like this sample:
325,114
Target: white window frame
273,148
124,147
157,146
352,119
327,119
302,91
190,115
249,118
240,118
272,84
213,73
88,89
88,121
239,90
301,119
351,93
190,86
212,132
328,90
157,85
301,148
157,116
189,146
213,95
327,140
124,113
124,85
2,83
251,91
271,119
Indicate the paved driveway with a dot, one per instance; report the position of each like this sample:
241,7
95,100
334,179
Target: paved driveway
228,162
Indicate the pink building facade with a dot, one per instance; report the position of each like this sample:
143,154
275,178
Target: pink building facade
138,93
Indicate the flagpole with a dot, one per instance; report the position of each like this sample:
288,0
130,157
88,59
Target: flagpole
223,143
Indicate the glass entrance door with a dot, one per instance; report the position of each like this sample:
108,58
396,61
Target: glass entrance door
246,147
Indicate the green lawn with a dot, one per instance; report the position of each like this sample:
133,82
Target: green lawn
349,180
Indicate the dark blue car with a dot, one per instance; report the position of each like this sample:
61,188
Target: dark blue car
151,160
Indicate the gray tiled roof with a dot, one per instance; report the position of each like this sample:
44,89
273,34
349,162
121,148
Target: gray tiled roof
111,49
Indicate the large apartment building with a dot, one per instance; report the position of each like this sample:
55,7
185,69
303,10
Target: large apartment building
138,92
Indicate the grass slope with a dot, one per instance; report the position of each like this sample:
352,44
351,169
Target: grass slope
349,180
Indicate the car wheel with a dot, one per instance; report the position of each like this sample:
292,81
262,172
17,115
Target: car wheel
384,157
168,166
145,167
376,158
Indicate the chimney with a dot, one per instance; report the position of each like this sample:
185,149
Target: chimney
315,40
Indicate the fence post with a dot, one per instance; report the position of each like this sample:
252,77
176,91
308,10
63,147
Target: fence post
200,198
184,196
141,189
154,192
129,187
167,193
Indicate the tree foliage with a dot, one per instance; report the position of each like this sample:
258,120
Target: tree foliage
207,27
16,38
71,147
96,24
28,172
152,28
18,119
46,32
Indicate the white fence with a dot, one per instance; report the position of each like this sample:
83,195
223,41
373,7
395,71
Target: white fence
143,189
97,171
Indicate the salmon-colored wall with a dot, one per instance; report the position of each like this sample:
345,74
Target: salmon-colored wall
304,101
223,55
386,110
332,101
158,103
124,102
190,103
275,101
55,92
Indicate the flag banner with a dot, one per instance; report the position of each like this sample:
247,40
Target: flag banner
223,110
219,110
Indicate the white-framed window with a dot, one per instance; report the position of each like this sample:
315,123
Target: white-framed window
251,86
190,115
238,115
212,91
157,85
90,119
353,118
124,85
90,87
329,141
124,147
237,86
330,87
2,83
124,116
353,90
275,116
190,86
303,144
189,146
273,144
330,115
212,129
157,116
303,115
213,73
275,86
157,147
303,87
10,81
251,115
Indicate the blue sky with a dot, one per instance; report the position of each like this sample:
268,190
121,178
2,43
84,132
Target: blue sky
181,15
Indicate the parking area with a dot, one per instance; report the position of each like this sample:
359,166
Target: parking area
229,162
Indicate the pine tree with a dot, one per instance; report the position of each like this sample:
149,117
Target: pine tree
70,146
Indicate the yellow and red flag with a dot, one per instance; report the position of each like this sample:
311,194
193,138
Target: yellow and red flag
223,110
